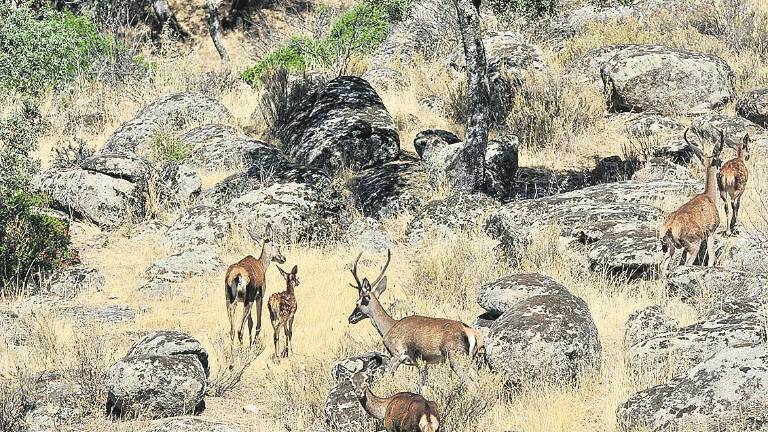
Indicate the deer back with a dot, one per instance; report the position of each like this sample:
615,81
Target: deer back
250,269
430,338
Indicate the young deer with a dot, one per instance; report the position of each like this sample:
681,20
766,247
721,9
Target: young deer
732,181
282,307
246,282
401,412
694,222
414,338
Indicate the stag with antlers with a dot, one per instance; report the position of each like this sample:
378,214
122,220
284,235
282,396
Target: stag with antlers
415,338
401,412
246,282
696,221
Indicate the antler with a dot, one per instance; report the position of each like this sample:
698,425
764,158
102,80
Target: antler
383,269
694,148
354,273
719,146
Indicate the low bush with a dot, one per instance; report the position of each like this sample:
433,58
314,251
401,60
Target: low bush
167,146
527,8
356,32
30,240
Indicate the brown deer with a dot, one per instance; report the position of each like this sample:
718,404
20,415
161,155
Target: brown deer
401,412
732,182
414,338
246,282
694,222
282,308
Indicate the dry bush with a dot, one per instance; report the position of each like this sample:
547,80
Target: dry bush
551,111
296,396
283,95
449,273
232,364
92,354
14,401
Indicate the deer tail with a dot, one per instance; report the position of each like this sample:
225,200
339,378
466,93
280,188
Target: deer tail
233,284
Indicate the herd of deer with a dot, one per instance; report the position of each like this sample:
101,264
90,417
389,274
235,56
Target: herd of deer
411,340
695,222
416,339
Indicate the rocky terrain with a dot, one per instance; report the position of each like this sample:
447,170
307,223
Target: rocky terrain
555,262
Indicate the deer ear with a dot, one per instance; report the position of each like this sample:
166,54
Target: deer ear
268,231
381,286
295,270
366,285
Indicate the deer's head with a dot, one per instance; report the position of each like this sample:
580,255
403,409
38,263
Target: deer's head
292,278
367,291
269,249
359,383
709,160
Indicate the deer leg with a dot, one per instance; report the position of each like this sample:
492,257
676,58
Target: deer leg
711,250
231,308
453,361
246,313
288,336
728,214
250,329
276,339
692,251
736,207
394,363
259,302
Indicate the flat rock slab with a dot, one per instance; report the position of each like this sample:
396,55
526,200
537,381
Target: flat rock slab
188,424
184,265
714,285
725,392
647,323
504,293
169,343
667,354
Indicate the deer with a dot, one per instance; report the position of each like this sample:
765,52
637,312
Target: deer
401,412
246,282
414,338
732,181
282,308
696,221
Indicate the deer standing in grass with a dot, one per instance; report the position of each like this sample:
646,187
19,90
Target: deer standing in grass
282,308
696,221
414,338
401,412
732,182
246,282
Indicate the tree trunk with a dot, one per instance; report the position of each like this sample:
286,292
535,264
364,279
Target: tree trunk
215,29
478,95
166,17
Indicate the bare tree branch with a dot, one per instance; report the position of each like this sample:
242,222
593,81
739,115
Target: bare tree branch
214,27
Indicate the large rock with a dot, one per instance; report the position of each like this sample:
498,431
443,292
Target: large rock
725,392
177,185
708,127
217,147
447,218
368,234
200,226
99,198
132,168
156,386
501,166
295,211
342,410
185,264
71,281
433,138
188,424
660,79
508,58
668,354
343,124
647,323
650,125
390,190
610,221
503,294
753,106
715,285
747,252
547,338
170,113
169,343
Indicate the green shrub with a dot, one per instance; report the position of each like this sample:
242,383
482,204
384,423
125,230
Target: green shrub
527,8
166,146
45,49
30,239
360,30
